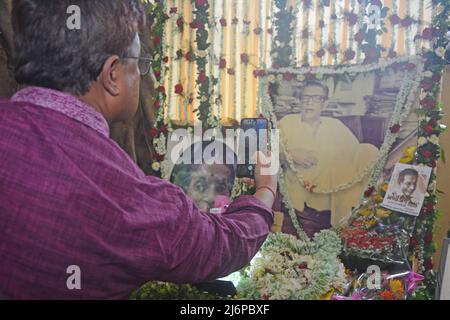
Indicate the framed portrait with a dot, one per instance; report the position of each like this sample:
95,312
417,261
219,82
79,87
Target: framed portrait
341,129
407,189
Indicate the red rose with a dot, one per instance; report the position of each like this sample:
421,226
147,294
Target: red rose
349,54
428,33
407,22
223,22
179,88
202,77
427,85
222,63
188,56
173,10
303,265
180,23
429,129
413,242
245,58
428,237
157,74
157,40
410,66
436,77
332,50
394,19
427,153
262,73
194,25
428,103
430,207
166,59
161,89
154,132
157,104
369,192
164,129
200,3
320,53
352,19
428,264
395,128
288,76
231,72
359,36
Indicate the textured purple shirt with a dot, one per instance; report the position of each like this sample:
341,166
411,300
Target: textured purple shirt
70,196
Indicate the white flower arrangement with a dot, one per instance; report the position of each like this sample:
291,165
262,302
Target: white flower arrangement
289,268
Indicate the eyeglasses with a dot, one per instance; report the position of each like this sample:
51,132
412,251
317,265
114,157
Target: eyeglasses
144,64
315,99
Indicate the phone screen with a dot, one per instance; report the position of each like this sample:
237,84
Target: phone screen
260,126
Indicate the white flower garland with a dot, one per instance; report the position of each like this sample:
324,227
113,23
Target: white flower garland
289,268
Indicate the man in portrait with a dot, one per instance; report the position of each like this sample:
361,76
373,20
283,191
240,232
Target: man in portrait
326,167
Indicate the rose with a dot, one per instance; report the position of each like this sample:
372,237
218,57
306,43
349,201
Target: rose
332,50
222,63
352,19
173,10
245,58
428,237
427,85
349,54
359,36
180,23
188,56
288,76
179,88
428,33
394,19
157,104
395,128
320,53
202,77
428,103
231,72
162,89
154,132
157,40
166,59
407,22
427,153
429,129
223,22
200,3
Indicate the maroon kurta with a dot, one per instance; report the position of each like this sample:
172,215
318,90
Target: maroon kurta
70,196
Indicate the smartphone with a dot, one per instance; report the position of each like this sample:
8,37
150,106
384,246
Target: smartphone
260,127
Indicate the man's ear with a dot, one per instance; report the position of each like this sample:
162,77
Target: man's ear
109,75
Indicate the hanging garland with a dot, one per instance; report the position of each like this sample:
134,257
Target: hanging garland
162,123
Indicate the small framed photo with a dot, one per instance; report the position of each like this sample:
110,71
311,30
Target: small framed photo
407,189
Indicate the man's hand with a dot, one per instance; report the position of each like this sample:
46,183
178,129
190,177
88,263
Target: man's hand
266,185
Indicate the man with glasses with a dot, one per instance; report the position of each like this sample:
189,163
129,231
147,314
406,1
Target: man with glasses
79,219
327,160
